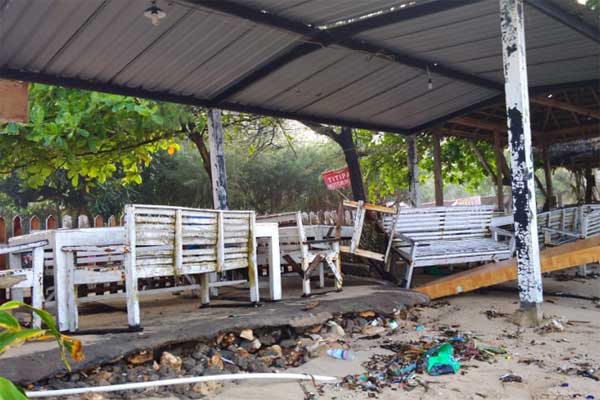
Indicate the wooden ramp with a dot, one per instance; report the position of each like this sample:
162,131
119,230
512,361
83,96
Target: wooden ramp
584,251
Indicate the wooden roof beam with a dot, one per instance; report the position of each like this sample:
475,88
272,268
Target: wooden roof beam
562,105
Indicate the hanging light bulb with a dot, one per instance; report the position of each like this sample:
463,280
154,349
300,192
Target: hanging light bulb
154,14
429,80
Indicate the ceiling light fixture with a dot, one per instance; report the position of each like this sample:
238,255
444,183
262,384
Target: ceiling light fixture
154,14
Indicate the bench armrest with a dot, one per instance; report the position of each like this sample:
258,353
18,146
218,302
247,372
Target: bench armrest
502,232
398,235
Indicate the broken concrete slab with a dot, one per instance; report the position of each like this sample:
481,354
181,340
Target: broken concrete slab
32,363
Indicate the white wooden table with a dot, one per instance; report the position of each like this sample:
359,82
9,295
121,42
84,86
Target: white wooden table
57,239
64,283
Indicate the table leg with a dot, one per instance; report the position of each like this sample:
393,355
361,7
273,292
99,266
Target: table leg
274,269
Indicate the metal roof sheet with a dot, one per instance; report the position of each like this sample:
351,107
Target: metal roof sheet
198,53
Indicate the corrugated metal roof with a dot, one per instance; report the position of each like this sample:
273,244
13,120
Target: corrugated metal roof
319,12
197,53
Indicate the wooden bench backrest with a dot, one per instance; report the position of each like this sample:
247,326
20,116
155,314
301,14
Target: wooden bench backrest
565,219
591,223
442,223
174,240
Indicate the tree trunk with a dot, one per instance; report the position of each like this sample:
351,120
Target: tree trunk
346,142
198,140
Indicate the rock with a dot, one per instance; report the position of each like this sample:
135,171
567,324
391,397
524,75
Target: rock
272,351
188,363
240,360
202,348
167,372
92,396
231,368
140,358
206,388
74,378
155,366
216,361
251,346
257,366
198,370
213,370
227,354
104,375
279,363
169,360
314,329
247,334
288,343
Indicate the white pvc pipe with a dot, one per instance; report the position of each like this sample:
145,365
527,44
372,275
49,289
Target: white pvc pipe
181,381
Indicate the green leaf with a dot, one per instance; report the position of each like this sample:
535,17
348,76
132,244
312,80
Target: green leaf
8,321
9,391
11,305
8,338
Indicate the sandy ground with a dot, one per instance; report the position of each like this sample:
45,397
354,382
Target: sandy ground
577,344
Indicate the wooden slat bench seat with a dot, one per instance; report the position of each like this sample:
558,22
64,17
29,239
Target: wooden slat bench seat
307,247
445,236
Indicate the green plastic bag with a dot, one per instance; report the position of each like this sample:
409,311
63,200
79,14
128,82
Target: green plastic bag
441,360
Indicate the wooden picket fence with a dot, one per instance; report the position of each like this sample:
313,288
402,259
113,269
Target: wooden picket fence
21,225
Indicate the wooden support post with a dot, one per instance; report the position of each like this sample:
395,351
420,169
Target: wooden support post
519,137
131,276
3,240
590,183
437,171
548,174
217,169
500,160
413,170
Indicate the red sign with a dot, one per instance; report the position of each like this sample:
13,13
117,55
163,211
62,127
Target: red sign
336,179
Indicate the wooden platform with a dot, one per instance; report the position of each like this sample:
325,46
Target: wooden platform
569,255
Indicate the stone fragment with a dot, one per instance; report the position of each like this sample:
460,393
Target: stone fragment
169,360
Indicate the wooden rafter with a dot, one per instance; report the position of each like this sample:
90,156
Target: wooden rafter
567,106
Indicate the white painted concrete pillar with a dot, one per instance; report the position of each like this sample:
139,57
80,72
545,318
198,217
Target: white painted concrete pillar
519,139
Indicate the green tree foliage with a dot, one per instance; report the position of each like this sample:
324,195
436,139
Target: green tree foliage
384,164
87,135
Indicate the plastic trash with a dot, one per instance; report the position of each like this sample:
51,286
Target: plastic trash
440,360
341,354
393,325
420,328
405,370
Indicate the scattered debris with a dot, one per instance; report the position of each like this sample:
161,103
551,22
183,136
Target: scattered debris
553,325
511,378
311,306
441,361
341,354
491,314
247,334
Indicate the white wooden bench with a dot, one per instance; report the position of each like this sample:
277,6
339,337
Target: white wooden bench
306,247
172,241
445,236
21,278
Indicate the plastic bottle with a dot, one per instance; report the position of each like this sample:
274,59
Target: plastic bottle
341,354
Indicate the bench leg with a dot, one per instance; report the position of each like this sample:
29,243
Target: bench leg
204,289
131,290
408,276
322,275
71,300
305,278
582,270
37,290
